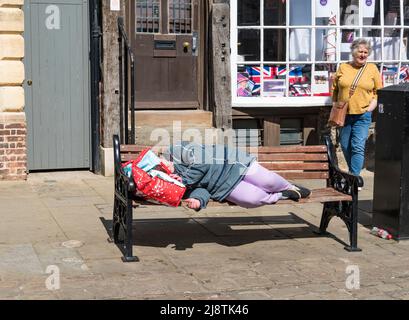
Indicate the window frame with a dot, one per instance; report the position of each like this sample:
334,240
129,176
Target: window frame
160,28
191,19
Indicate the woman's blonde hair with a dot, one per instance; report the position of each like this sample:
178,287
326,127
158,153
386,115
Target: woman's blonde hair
361,41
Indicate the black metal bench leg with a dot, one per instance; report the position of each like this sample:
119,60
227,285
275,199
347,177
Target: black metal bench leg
328,213
128,256
113,237
352,225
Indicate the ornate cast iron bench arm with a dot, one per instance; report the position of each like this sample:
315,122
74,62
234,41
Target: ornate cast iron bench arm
346,210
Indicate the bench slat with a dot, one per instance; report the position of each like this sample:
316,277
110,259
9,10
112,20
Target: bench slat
132,148
273,158
318,195
261,149
290,149
312,153
303,175
125,156
293,157
322,166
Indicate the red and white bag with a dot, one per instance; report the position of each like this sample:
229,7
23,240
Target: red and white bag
152,180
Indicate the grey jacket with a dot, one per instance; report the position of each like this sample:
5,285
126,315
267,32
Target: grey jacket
208,171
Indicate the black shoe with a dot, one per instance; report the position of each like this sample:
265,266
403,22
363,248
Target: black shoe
304,192
291,194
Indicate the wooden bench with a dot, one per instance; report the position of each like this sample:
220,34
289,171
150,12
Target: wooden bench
340,197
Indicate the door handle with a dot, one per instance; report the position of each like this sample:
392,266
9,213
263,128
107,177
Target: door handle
29,82
186,46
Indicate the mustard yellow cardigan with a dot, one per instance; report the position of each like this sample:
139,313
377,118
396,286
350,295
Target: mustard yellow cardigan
365,92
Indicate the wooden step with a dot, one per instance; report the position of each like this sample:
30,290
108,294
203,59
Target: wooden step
144,134
165,118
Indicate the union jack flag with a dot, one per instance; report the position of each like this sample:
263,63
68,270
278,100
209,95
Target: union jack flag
404,74
269,73
296,75
280,70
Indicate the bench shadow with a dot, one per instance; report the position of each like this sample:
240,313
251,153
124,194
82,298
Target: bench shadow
183,233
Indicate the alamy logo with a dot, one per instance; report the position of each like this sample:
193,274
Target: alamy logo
353,279
53,20
53,281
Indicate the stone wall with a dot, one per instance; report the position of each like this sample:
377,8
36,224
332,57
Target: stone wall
13,158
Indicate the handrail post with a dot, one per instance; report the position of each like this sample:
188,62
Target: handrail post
126,83
132,99
126,106
121,84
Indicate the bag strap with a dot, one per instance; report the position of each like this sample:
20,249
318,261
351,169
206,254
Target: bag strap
356,80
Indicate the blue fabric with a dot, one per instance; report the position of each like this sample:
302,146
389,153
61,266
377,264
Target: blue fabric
209,171
353,137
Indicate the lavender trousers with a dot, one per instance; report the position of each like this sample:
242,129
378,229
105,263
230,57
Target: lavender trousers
259,187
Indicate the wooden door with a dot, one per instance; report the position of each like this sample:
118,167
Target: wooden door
165,38
57,84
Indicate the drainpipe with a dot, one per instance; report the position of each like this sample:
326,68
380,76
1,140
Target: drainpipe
95,58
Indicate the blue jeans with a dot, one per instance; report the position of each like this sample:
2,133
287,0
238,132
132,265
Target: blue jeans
353,138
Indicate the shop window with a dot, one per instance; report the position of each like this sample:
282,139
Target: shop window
274,12
391,12
248,13
286,52
249,44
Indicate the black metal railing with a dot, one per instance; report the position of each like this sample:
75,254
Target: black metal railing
126,86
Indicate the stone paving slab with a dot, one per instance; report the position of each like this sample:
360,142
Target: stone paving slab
219,253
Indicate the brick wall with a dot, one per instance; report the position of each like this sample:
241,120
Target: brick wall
13,152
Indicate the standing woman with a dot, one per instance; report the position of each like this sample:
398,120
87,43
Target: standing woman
361,104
